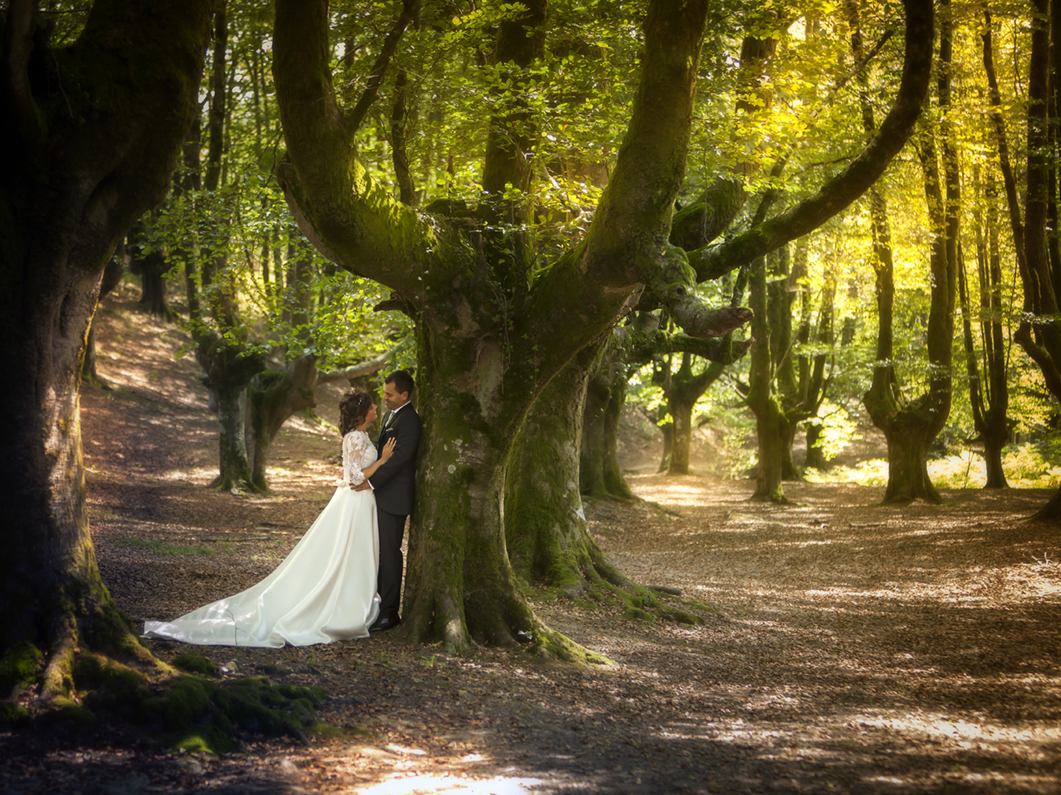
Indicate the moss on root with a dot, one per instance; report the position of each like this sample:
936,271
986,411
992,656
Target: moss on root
637,602
20,666
13,715
196,664
184,710
207,715
557,646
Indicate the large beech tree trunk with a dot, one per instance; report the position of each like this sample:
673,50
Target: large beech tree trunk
92,131
479,373
546,529
489,336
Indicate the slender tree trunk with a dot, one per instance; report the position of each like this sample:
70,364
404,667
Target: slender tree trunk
681,411
686,388
614,481
112,276
599,470
668,447
761,400
789,470
989,391
815,458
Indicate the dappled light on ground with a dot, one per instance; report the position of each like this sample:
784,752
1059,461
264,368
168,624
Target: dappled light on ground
447,785
899,637
844,646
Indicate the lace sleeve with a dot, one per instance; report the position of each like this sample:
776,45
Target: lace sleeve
354,446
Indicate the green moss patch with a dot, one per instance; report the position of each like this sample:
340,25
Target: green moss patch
196,664
20,666
197,713
191,711
13,715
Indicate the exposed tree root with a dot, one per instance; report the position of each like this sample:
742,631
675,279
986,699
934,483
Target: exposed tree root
79,685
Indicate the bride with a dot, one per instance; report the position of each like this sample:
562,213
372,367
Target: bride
325,589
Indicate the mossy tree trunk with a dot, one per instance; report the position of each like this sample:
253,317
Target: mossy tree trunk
92,130
815,458
546,530
605,394
769,418
686,388
488,338
780,291
227,372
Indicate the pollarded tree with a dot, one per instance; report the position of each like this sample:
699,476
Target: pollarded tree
92,131
701,366
492,331
911,424
490,338
786,386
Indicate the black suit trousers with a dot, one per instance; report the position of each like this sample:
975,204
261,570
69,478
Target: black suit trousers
389,578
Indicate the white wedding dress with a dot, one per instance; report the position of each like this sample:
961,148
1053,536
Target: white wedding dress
325,589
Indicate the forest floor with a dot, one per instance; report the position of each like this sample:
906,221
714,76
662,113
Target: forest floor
845,646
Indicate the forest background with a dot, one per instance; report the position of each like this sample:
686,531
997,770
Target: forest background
767,117
926,306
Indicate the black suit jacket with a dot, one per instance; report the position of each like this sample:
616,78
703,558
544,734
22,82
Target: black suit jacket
394,483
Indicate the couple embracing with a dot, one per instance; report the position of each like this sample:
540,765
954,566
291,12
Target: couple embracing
343,579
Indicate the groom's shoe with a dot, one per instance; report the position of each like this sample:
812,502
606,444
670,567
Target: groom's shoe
385,622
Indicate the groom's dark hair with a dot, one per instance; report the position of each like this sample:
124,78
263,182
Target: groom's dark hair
402,380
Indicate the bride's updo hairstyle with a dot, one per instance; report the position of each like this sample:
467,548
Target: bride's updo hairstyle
353,408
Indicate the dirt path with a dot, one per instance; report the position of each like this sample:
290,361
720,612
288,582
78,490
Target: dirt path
845,647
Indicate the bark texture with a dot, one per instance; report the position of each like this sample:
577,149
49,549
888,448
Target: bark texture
93,130
487,335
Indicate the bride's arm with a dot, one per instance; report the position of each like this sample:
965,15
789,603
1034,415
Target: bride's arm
388,451
354,447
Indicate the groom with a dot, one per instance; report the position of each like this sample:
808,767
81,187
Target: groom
393,485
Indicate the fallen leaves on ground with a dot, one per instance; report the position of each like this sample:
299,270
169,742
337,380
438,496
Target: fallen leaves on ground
845,646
